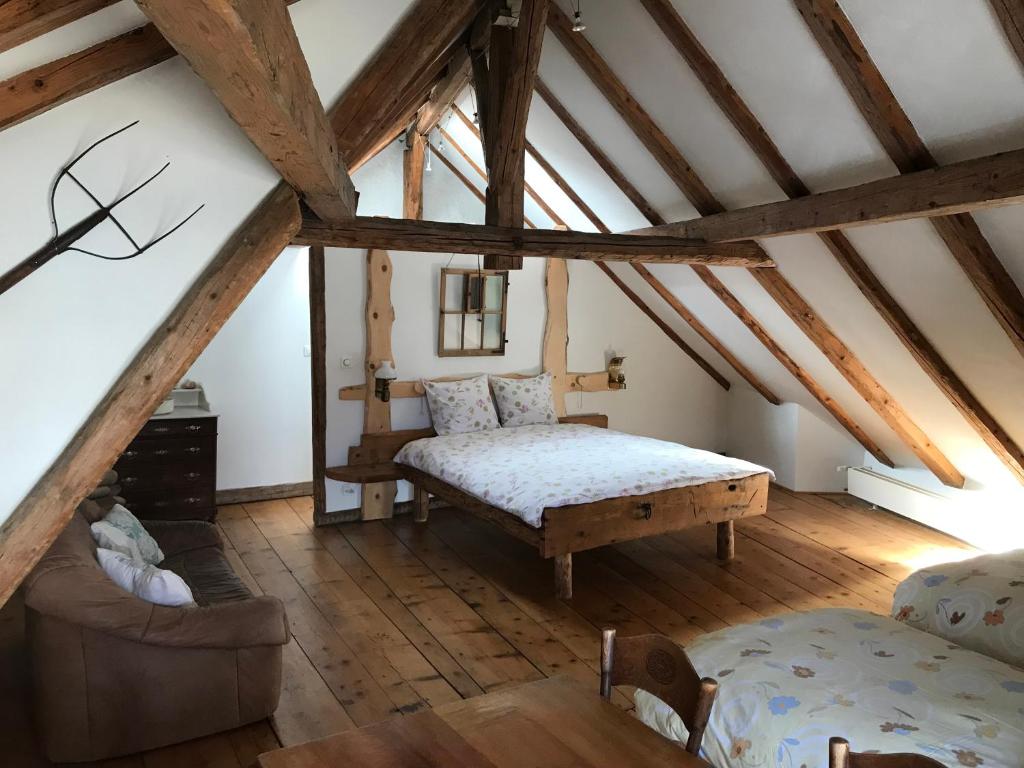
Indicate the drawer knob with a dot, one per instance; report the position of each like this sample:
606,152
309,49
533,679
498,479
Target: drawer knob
192,500
129,454
193,427
161,429
161,452
128,480
192,475
194,449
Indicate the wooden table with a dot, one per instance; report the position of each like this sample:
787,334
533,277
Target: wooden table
552,723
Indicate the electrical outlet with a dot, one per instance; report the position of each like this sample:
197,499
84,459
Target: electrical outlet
346,362
842,468
307,351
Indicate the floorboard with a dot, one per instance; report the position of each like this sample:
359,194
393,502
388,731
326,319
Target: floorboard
391,617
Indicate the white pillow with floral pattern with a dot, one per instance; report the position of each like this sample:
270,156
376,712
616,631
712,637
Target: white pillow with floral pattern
457,407
524,401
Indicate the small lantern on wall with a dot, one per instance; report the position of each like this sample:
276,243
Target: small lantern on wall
383,377
616,376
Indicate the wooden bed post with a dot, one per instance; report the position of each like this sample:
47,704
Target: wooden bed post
554,357
726,541
421,503
563,576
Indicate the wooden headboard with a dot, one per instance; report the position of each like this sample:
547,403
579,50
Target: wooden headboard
372,460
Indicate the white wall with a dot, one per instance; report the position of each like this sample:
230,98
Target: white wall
668,396
68,331
256,377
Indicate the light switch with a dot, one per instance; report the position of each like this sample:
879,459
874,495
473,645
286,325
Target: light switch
306,350
346,362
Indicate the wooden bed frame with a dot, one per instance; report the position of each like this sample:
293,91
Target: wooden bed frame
579,527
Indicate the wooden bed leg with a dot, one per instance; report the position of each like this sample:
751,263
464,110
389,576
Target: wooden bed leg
563,576
421,504
726,541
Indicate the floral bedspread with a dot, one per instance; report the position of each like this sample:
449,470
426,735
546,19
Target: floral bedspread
522,470
977,603
788,683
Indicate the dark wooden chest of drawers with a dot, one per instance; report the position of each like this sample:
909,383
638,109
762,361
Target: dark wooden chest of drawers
169,471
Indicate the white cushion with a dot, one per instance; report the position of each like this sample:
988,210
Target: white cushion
109,536
147,582
457,407
524,401
121,518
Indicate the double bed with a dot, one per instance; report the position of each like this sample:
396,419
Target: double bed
577,485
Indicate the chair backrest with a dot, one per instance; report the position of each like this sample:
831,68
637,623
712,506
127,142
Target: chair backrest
840,756
661,667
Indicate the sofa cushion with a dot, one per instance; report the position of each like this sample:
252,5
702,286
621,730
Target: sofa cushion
209,576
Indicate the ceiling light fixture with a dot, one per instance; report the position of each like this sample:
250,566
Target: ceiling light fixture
577,18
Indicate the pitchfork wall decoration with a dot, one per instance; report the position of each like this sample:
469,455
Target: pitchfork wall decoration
65,241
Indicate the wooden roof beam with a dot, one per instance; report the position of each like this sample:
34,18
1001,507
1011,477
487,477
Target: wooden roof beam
391,84
927,356
505,84
784,294
444,94
849,57
660,288
1010,14
24,20
667,295
446,237
248,53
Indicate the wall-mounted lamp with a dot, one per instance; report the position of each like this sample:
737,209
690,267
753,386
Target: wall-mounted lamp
616,376
383,377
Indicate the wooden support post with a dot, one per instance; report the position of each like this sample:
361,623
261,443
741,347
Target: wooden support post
318,376
563,576
414,158
421,504
554,358
726,541
378,499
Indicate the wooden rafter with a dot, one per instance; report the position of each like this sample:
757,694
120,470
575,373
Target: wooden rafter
418,48
1011,17
249,55
630,294
42,88
162,361
778,288
504,84
670,298
743,119
413,160
447,237
853,64
24,20
984,182
456,78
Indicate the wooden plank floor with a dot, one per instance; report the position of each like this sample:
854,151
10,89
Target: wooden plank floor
392,617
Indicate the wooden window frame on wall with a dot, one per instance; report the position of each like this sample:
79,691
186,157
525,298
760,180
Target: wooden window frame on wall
498,351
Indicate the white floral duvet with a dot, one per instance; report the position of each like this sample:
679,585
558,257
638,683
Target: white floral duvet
790,682
522,470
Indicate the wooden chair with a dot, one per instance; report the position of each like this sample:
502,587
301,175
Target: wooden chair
661,667
840,756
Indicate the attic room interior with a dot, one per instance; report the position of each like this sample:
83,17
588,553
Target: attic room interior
512,383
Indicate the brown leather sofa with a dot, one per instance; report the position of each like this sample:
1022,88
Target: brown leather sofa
113,674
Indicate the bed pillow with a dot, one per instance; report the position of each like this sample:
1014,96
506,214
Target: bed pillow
977,603
152,584
125,521
457,407
524,401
